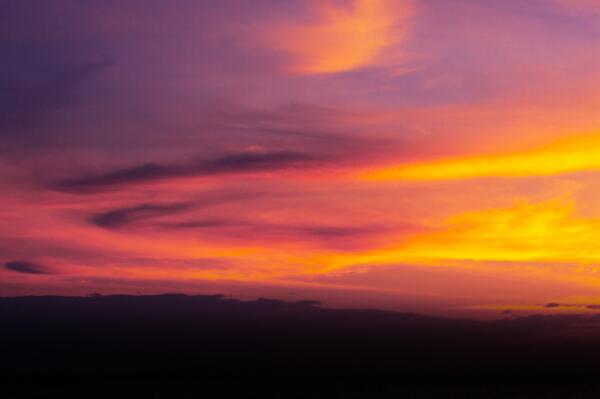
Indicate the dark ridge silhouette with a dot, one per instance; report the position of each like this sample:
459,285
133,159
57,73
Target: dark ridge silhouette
178,344
213,335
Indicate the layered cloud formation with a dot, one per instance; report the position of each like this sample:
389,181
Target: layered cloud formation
423,155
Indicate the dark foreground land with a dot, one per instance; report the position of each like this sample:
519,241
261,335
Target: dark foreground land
207,346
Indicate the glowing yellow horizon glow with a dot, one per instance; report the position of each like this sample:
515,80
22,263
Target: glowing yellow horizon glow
545,241
573,154
545,231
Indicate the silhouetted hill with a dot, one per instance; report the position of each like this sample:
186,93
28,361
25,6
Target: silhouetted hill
211,337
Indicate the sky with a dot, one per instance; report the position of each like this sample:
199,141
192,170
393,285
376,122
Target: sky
423,155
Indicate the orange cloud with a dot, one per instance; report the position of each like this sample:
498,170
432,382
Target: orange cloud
343,38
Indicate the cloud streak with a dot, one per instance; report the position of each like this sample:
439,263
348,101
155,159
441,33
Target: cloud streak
26,267
572,154
134,214
553,305
151,172
122,217
279,231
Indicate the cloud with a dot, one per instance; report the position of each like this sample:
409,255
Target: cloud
344,236
26,267
342,38
552,305
248,162
204,224
319,231
568,155
332,231
497,234
294,123
129,215
569,305
561,305
125,216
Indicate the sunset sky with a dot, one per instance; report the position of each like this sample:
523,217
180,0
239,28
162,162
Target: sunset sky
431,156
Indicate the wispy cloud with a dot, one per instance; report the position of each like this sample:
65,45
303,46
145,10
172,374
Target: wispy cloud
125,216
250,162
280,231
26,267
135,214
343,37
572,154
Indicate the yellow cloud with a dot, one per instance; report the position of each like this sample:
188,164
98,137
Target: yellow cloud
545,231
579,153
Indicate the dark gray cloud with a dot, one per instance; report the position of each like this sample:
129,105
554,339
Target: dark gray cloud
125,216
333,231
278,229
570,305
21,266
149,172
204,224
131,215
134,215
552,305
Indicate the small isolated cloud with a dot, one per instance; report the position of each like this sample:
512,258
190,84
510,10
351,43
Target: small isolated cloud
25,267
552,305
344,37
